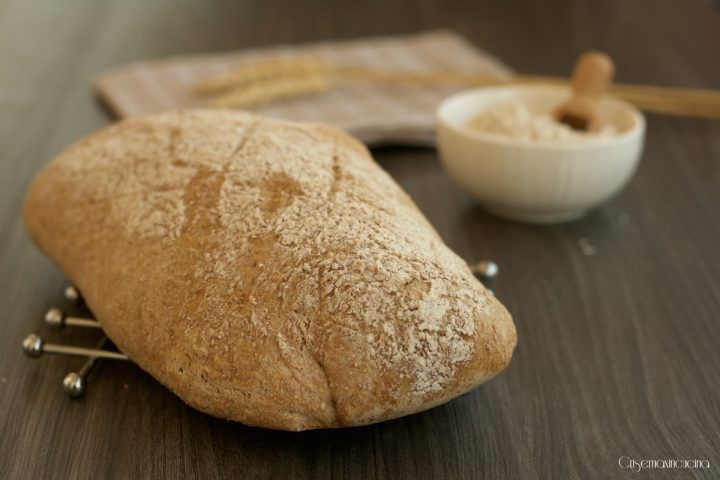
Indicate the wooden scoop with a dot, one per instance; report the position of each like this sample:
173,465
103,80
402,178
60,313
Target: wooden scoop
591,78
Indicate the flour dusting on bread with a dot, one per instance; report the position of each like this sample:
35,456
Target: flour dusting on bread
286,257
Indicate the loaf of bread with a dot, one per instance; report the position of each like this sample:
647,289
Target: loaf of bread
266,272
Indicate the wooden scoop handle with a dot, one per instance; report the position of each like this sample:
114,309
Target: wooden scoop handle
591,77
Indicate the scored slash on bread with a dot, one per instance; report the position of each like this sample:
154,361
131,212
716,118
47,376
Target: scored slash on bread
265,271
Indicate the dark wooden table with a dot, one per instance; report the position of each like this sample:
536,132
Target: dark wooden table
619,351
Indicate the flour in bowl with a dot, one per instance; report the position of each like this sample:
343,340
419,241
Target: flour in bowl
513,120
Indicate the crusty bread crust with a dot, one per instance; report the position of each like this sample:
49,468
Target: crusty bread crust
265,271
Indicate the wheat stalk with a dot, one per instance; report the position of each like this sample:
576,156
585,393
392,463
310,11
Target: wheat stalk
269,91
279,78
285,68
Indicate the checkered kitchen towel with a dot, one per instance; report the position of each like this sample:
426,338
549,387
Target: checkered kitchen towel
376,114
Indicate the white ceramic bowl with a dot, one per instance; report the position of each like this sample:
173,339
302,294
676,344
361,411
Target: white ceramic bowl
538,182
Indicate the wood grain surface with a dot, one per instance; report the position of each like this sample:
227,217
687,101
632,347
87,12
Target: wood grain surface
619,350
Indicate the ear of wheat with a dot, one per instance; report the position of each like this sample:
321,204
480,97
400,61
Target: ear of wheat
271,80
268,81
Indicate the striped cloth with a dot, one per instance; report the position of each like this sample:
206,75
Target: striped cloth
376,114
